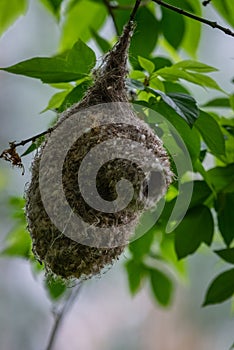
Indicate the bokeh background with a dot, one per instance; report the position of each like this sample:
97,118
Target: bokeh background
105,316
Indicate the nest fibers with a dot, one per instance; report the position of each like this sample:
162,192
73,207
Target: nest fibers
81,208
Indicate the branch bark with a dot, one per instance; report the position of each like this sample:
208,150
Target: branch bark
111,13
60,316
196,18
206,2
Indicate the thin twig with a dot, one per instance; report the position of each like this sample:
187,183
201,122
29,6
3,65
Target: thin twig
111,7
116,6
197,18
10,154
111,12
33,138
206,2
134,11
60,316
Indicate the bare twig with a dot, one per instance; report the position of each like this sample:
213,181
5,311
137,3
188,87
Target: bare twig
33,138
196,18
116,6
111,7
206,2
60,315
111,12
12,156
134,11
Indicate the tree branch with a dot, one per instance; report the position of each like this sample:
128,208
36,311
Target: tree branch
134,11
60,316
196,18
12,156
111,12
116,6
206,2
33,138
111,7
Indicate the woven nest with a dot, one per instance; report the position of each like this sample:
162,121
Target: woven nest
75,252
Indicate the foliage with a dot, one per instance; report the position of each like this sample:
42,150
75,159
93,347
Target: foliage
164,84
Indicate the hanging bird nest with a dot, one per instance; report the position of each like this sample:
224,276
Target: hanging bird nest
67,248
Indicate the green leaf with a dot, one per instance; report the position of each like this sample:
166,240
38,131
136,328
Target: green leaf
56,100
62,86
187,106
147,65
221,288
201,191
184,105
29,150
102,43
204,80
78,21
142,44
195,66
226,254
160,62
224,206
231,100
173,74
140,247
196,227
156,83
17,205
18,243
189,136
219,102
53,6
10,11
74,65
81,57
169,18
136,273
168,253
175,87
135,84
55,286
225,9
222,178
74,95
211,133
162,286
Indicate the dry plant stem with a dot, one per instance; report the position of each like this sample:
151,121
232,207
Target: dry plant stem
196,18
60,316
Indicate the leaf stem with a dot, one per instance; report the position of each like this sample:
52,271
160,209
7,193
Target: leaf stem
59,316
196,18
